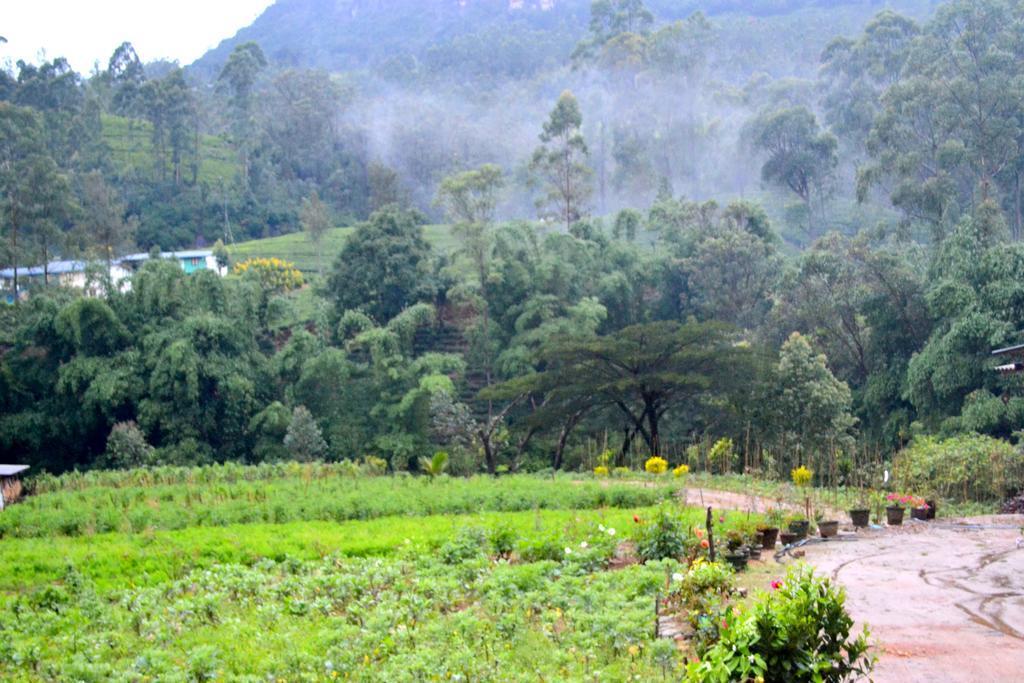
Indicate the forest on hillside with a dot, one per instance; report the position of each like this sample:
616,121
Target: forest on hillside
793,230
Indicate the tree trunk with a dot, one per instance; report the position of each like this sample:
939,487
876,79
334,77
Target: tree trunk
628,435
1018,214
563,438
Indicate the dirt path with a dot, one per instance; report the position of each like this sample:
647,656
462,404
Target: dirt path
944,601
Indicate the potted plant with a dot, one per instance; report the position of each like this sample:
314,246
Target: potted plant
894,510
802,477
828,528
737,558
770,529
918,508
787,538
860,515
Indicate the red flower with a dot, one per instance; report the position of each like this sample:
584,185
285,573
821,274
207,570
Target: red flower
636,519
700,534
705,544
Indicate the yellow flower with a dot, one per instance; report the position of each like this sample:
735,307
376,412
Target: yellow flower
801,476
656,465
634,650
681,471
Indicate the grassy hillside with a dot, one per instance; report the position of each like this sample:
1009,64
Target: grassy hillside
131,147
297,248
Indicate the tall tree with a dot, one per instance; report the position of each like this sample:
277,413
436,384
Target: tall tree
560,163
801,157
384,266
103,223
316,221
238,78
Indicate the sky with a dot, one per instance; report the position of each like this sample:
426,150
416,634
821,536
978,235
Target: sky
87,31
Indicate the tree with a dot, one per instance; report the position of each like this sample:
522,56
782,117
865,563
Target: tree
811,406
801,157
103,221
642,372
238,78
304,440
316,221
949,135
384,266
127,448
560,163
30,185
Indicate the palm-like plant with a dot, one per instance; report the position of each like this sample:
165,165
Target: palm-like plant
435,467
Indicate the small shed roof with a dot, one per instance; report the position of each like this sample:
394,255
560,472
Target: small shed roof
1019,348
11,470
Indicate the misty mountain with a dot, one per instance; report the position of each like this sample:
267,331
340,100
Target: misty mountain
521,36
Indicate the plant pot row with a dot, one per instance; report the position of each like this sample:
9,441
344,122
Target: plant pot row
893,515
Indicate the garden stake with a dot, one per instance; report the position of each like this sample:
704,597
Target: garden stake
711,536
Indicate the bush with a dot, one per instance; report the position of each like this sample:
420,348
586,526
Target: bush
656,465
661,538
126,448
799,632
963,468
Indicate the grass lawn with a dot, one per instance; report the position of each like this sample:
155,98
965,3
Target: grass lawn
297,247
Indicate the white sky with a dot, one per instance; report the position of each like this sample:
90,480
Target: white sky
86,31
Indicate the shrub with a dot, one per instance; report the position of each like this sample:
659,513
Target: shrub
663,537
126,448
656,465
304,440
469,543
502,540
801,476
601,471
273,274
963,468
799,632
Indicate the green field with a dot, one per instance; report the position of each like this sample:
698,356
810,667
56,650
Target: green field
318,572
297,247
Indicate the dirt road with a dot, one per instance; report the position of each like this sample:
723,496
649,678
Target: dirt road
943,600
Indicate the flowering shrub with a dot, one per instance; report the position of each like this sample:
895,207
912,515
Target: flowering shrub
904,500
681,471
801,476
272,273
798,632
601,471
656,465
663,537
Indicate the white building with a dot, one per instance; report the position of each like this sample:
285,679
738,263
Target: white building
87,275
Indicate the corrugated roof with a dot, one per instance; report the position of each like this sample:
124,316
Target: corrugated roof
54,268
1019,348
11,470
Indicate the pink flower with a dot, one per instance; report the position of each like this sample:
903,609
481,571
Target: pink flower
776,585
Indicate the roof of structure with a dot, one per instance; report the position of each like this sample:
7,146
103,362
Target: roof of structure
11,470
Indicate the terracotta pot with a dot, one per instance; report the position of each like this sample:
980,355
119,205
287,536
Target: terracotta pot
800,528
920,514
828,529
787,538
860,518
894,515
770,537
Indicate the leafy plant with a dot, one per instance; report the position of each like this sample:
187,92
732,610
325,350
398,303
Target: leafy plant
800,631
661,537
434,467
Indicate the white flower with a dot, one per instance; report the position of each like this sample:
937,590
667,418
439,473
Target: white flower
677,577
611,532
601,527
568,551
583,544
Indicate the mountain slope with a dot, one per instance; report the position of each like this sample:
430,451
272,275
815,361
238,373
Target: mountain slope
345,35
